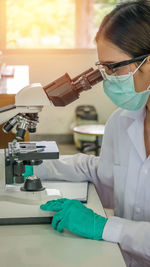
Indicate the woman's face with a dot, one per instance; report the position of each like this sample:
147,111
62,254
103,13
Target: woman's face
110,53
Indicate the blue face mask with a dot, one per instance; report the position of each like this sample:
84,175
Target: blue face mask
120,89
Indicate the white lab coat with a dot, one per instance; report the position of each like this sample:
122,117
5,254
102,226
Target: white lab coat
122,179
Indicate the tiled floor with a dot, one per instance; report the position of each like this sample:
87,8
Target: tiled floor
69,149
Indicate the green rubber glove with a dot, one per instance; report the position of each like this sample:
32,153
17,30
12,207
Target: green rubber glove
28,171
74,216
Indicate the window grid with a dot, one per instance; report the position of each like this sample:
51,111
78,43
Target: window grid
24,50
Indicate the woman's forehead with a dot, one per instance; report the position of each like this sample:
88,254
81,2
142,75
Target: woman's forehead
109,52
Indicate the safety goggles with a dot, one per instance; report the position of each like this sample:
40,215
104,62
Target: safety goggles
119,68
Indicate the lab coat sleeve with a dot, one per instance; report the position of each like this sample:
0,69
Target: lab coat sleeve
133,236
81,167
75,168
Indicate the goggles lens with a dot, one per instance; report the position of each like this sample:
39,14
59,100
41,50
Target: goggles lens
121,69
113,72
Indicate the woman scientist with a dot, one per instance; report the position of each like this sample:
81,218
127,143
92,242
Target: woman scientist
122,173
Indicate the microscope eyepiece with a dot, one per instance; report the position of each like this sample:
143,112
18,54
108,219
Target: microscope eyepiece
65,90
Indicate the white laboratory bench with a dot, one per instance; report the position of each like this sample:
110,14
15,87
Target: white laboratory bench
41,246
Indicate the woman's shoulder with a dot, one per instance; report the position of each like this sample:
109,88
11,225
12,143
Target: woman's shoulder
115,116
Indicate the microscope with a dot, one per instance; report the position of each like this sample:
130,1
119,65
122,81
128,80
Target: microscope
20,198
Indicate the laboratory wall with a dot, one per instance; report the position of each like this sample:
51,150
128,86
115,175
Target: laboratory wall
46,67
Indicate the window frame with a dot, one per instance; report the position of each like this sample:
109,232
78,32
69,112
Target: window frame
32,50
3,23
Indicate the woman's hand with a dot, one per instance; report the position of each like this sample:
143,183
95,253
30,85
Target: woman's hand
74,216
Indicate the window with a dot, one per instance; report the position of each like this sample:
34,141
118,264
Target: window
49,24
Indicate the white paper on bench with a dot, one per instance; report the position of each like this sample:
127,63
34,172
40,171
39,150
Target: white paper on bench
69,189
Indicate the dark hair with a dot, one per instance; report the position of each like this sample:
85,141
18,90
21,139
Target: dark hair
128,27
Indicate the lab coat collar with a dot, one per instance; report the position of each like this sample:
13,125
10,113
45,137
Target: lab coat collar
135,130
134,114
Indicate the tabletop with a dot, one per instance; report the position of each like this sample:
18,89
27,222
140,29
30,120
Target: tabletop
91,129
40,245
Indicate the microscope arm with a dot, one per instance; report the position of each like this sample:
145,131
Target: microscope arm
24,113
32,98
